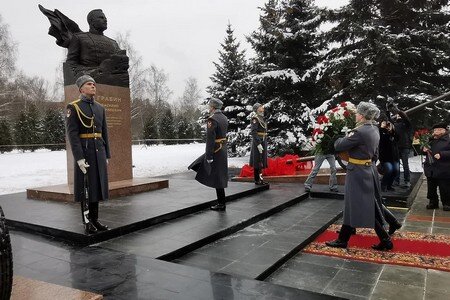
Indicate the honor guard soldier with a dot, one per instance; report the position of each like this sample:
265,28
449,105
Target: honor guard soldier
258,153
87,133
212,167
362,199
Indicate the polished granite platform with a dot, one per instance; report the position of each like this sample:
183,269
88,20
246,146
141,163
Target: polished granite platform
123,215
202,254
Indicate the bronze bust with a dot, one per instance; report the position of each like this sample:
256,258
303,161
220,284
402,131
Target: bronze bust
90,52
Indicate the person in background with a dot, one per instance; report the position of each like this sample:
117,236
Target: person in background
362,198
388,155
318,161
404,130
258,152
437,167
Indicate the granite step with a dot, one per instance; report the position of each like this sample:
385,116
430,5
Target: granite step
258,250
173,239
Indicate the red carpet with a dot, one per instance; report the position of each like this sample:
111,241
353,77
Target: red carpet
422,250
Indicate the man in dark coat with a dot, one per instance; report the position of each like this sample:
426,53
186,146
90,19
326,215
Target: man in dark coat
362,199
404,129
87,133
437,167
258,152
212,167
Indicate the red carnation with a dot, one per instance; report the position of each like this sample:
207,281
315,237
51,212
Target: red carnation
346,114
343,104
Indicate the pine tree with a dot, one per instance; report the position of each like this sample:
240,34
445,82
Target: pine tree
227,86
28,129
150,130
54,132
167,126
398,49
288,50
5,136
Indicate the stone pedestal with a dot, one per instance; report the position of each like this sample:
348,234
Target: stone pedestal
117,103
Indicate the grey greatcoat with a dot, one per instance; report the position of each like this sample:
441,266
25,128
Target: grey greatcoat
362,186
94,150
214,174
259,137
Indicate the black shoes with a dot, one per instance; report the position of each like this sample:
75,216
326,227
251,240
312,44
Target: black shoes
383,245
89,228
446,208
352,233
432,206
394,227
261,182
337,244
100,226
334,190
218,207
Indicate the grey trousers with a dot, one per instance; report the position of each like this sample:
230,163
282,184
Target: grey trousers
318,161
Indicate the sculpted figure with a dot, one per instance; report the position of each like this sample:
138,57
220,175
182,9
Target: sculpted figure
91,52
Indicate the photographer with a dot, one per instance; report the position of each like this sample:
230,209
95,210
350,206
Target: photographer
388,155
404,130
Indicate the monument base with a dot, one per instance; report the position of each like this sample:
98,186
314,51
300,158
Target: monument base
64,192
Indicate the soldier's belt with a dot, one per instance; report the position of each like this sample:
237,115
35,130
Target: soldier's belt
261,133
90,135
363,162
220,142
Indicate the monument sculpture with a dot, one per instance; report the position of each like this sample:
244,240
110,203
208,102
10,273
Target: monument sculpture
94,54
91,52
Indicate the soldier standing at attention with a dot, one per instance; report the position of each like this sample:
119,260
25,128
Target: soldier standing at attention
258,153
87,133
362,198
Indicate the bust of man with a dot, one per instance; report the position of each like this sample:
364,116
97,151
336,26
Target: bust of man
91,52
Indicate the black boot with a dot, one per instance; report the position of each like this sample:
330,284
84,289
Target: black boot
89,228
337,244
344,236
393,227
394,224
218,207
384,245
385,239
93,216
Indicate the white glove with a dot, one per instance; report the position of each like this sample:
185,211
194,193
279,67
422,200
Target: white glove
83,165
260,148
209,161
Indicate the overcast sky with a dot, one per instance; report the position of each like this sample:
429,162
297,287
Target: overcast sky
180,36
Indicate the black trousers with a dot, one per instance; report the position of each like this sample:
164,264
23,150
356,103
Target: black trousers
220,196
93,211
444,191
256,173
346,230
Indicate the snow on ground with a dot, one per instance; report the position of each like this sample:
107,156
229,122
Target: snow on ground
19,171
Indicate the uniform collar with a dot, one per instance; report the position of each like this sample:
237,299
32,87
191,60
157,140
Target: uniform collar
86,99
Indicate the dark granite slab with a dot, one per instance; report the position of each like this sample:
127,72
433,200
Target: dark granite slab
173,239
122,215
258,250
118,275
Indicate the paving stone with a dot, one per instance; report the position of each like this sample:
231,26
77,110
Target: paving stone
404,275
389,290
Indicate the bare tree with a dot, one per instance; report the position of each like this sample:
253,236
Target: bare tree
8,50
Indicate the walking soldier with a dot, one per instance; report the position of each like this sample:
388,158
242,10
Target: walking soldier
88,136
212,167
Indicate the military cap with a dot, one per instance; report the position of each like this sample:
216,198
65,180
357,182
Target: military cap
83,79
368,110
215,103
